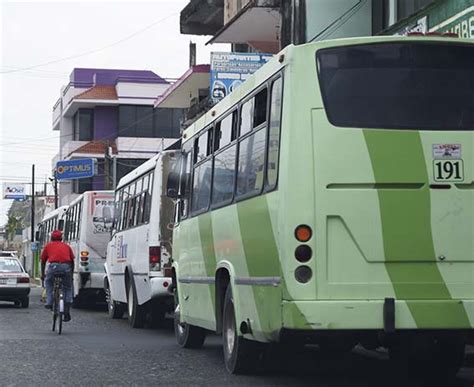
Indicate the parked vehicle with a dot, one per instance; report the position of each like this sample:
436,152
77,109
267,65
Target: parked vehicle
88,224
14,281
138,261
329,200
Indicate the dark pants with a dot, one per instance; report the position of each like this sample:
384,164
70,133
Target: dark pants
59,268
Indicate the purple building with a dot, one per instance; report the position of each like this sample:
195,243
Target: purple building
111,113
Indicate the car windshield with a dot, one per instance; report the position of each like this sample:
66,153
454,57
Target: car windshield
10,266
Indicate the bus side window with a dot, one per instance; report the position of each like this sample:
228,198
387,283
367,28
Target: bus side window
252,147
79,218
274,133
224,161
185,181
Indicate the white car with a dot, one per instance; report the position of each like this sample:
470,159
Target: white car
14,281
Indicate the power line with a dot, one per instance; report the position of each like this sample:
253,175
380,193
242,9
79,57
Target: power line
93,51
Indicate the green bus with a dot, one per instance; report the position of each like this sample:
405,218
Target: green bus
330,200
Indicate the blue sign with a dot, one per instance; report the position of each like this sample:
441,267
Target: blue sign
230,69
34,246
14,191
74,169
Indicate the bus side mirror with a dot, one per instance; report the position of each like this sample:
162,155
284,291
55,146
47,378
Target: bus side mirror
172,193
172,185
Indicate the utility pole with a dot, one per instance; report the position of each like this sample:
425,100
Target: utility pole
32,203
106,166
55,191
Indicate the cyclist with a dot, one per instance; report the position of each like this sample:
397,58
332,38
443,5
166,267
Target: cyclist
61,261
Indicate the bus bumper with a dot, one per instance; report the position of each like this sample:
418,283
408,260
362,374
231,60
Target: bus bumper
373,314
160,287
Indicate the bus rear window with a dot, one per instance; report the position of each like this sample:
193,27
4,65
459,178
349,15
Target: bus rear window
414,85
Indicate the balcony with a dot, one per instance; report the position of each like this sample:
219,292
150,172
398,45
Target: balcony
57,114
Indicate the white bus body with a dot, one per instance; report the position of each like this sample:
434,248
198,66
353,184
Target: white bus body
89,220
138,261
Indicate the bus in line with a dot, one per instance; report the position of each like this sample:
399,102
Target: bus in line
88,224
53,220
330,200
138,264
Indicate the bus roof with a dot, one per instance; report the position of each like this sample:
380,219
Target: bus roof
52,214
283,58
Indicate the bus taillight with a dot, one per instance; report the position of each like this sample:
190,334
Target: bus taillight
155,257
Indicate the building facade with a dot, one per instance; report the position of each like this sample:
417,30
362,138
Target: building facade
109,115
270,25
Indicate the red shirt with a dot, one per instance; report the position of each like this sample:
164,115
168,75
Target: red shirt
57,252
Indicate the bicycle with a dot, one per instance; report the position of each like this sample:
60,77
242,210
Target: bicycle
58,302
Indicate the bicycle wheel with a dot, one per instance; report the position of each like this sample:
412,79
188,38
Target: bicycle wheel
55,316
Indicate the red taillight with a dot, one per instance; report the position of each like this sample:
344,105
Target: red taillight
23,280
155,255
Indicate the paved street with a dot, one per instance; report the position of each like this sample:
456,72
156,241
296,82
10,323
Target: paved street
95,350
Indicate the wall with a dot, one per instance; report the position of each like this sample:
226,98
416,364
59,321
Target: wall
323,19
109,77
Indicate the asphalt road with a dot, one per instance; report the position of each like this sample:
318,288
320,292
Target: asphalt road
95,350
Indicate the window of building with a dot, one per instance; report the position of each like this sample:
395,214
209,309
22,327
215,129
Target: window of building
167,122
80,186
274,132
135,121
83,125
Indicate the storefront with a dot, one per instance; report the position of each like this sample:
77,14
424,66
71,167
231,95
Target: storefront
441,16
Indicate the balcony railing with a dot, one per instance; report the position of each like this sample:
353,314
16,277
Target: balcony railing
56,112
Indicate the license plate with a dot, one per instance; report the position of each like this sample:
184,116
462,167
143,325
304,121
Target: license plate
7,281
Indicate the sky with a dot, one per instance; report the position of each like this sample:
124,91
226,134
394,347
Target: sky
36,32
142,35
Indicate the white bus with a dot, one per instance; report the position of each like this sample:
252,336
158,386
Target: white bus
89,220
138,261
53,220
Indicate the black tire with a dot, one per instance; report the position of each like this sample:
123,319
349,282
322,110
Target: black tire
136,313
188,336
241,356
115,309
429,357
157,315
25,302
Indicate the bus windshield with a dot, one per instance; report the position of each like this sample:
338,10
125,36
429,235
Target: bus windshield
413,85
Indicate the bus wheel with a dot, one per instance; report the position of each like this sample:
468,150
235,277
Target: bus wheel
187,336
136,313
436,357
115,309
240,355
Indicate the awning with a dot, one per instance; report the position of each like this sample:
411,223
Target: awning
255,25
180,94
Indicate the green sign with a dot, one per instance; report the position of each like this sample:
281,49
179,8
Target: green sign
461,24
